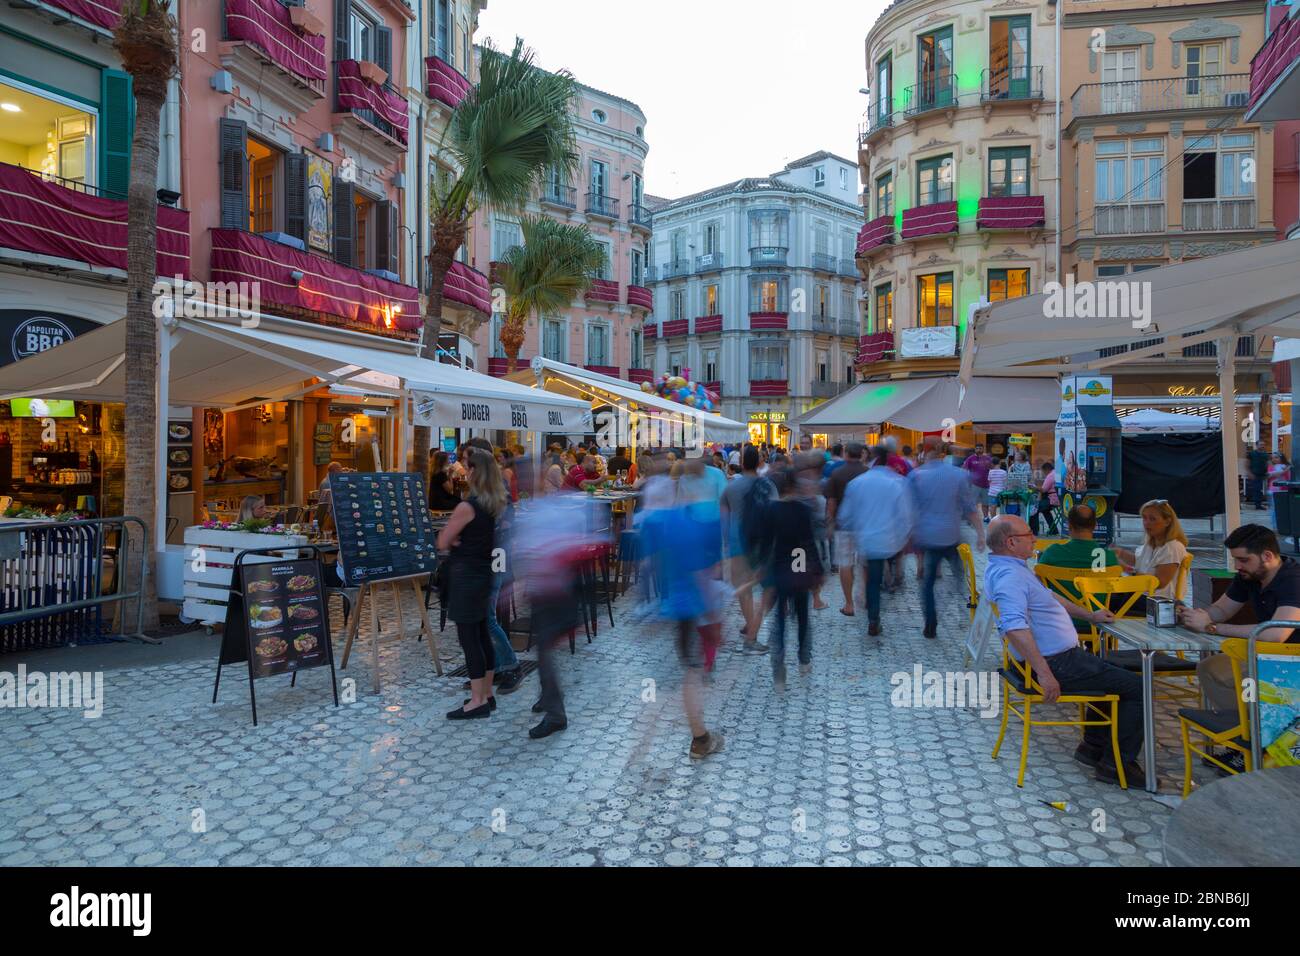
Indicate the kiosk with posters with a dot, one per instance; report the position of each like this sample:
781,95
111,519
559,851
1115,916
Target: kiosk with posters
1088,449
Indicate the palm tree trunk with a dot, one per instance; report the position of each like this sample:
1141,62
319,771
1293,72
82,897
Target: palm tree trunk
143,417
440,260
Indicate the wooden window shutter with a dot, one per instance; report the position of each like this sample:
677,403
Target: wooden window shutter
295,195
117,128
345,223
234,174
342,29
385,220
384,52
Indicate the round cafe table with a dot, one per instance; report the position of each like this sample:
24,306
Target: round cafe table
1245,820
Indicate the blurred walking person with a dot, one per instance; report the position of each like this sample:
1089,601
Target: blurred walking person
878,513
943,495
846,557
796,570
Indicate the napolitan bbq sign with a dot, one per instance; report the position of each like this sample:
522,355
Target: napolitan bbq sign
30,333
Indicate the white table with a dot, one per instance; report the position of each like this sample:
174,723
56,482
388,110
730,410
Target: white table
1246,820
1150,640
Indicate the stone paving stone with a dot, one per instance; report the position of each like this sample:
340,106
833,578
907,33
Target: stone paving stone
830,773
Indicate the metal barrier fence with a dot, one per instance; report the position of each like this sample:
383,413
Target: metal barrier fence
52,589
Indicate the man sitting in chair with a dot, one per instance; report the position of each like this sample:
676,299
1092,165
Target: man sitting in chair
1271,583
1036,623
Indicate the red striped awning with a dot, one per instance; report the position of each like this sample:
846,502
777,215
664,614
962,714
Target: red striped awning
675,327
769,388
444,82
52,220
708,323
650,331
641,297
877,232
1010,212
102,13
266,25
638,375
936,219
602,290
874,347
468,286
357,94
769,320
325,286
1274,57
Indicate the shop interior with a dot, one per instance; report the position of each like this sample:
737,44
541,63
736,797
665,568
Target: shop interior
61,456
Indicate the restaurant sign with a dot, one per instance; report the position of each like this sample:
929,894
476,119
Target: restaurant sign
29,333
767,416
938,342
502,413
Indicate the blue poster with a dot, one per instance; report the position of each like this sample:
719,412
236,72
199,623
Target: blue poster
1279,709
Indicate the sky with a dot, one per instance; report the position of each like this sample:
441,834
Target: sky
730,88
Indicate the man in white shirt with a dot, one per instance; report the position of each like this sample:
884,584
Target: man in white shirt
878,510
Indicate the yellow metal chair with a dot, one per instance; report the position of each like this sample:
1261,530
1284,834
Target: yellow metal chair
1042,544
972,584
1020,689
1061,580
1231,730
1180,579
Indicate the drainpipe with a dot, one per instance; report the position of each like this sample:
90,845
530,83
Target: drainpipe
1056,68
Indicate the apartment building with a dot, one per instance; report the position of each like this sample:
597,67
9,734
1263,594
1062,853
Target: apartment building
755,290
605,191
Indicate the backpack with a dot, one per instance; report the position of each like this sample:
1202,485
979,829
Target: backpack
753,513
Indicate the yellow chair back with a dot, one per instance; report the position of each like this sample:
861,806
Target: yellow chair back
1061,580
1180,579
972,585
1042,544
1096,592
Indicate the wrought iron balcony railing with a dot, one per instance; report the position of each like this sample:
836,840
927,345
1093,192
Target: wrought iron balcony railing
1215,92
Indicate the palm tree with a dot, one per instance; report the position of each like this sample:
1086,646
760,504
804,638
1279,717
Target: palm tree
511,128
146,40
556,262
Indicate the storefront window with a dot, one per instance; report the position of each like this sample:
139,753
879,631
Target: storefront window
49,136
1008,284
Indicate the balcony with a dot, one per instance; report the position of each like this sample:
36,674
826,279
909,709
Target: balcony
650,330
379,107
102,13
47,216
638,375
709,262
829,389
933,219
879,116
269,36
877,233
937,93
769,388
500,367
336,294
601,205
1275,74
675,328
769,321
1245,348
849,269
560,196
610,370
875,347
1128,219
1218,215
768,255
708,323
1223,91
1013,85
1011,212
603,290
714,387
824,262
825,323
466,286
639,297
442,81
850,328
639,215
675,269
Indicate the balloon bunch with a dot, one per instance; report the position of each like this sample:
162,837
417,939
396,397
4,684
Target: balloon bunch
679,388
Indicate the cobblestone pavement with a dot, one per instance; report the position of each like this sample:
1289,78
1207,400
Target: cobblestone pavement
830,773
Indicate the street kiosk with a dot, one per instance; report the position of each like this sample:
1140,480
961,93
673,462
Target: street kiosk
1088,449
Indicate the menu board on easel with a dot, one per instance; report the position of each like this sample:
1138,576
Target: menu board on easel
383,524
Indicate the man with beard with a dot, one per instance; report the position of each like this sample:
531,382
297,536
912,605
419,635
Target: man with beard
1271,583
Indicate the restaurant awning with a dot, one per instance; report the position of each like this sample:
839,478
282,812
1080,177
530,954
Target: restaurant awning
570,380
931,404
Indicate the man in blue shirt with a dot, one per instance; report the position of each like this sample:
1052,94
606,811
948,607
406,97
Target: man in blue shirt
943,496
1036,622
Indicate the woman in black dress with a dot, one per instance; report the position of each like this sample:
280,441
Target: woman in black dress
470,536
442,486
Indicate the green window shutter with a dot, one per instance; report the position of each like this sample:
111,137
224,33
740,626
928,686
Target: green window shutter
295,195
116,127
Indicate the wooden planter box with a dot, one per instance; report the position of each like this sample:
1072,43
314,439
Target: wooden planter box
372,73
306,22
207,591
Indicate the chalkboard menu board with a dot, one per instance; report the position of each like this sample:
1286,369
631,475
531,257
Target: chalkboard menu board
383,525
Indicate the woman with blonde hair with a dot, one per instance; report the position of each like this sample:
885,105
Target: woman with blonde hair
1163,548
470,536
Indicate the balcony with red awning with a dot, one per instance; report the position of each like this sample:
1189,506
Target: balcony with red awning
1275,74
500,367
769,388
638,375
268,25
380,106
675,327
708,323
603,290
935,219
42,216
102,13
876,233
467,286
640,297
768,321
875,347
1011,212
443,82
610,370
650,330
332,293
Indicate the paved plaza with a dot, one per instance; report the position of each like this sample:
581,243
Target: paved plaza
830,773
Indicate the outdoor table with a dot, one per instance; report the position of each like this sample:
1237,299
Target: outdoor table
1150,640
1243,820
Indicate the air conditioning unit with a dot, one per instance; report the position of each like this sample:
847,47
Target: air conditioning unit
1236,99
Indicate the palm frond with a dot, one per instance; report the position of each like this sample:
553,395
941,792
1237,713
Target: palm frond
556,263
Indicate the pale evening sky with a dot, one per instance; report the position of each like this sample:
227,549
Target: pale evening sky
730,88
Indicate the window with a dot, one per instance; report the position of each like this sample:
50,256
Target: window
497,349
710,238
464,50
364,36
553,340
1119,74
599,178
263,177
885,195
1008,284
821,239
1129,171
766,363
847,311
676,362
597,344
934,180
710,365
506,234
363,252
1009,57
440,39
823,300
677,242
1009,171
819,177
638,267
1203,71
711,301
606,262
50,136
1107,271
882,319
823,366
1219,166
934,300
884,94
767,294
599,116
769,228
638,191
637,356
844,178
934,69
677,304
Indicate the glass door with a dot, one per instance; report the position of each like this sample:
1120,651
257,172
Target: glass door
934,69
1119,91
